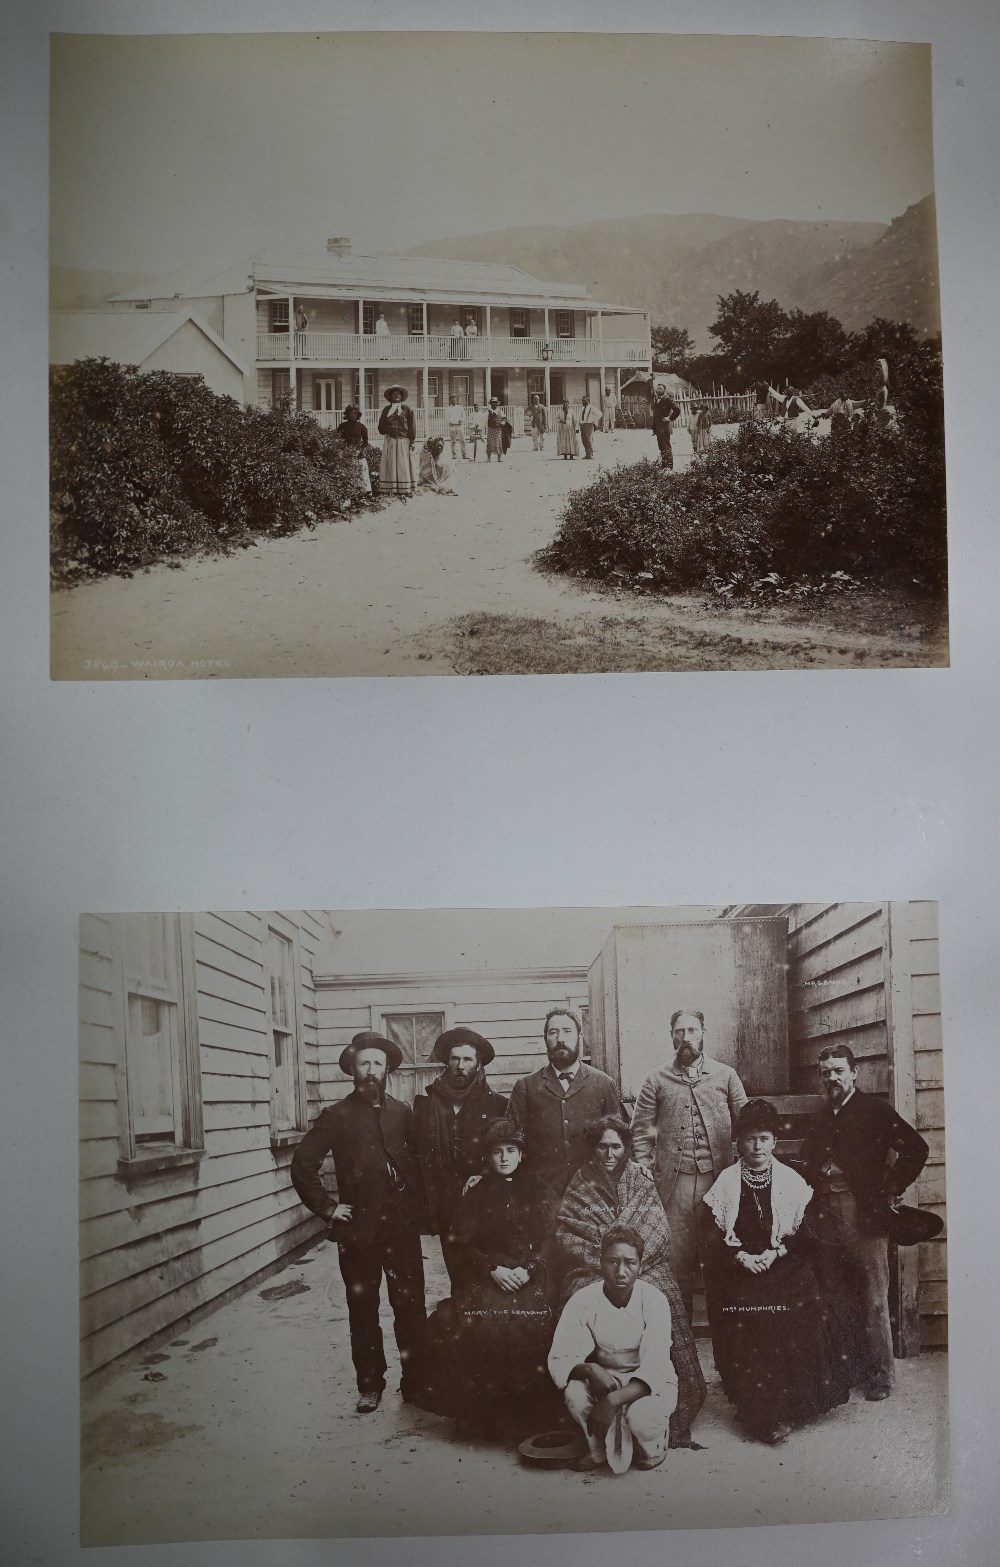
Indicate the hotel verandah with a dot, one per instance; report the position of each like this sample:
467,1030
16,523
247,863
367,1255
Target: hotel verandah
532,336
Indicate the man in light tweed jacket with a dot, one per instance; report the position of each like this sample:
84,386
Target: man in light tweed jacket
683,1128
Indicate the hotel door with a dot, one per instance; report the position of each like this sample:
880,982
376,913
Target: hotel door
460,388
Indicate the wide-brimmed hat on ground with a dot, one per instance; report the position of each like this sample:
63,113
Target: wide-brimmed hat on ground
401,389
446,1042
370,1041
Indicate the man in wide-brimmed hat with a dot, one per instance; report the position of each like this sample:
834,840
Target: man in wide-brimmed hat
452,1120
376,1219
845,1159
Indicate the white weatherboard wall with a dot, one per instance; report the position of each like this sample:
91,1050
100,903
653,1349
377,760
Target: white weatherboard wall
160,1244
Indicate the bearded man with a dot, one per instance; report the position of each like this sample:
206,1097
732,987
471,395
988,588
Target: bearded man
451,1121
683,1130
377,1218
553,1106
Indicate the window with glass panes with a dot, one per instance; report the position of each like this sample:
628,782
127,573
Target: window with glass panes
278,315
162,1088
279,977
519,323
416,1034
415,321
369,312
564,323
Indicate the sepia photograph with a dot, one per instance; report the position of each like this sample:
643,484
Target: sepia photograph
311,292
510,1221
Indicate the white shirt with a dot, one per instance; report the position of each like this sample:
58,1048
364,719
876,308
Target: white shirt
455,413
634,1338
567,1071
382,327
456,330
472,330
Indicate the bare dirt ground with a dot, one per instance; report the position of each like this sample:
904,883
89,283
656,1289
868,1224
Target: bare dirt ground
243,1427
397,592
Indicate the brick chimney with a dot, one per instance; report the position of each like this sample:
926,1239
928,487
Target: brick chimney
339,247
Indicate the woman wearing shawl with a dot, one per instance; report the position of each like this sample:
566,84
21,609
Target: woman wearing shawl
567,427
701,429
434,474
497,1238
777,1347
609,1190
494,431
352,431
398,426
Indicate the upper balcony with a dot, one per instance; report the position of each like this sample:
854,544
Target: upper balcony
394,348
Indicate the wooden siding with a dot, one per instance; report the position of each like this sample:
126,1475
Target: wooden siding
509,1012
189,352
844,989
157,1246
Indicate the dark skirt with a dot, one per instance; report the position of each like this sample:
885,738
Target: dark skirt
777,1346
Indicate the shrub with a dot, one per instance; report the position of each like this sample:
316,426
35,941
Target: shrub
149,467
765,509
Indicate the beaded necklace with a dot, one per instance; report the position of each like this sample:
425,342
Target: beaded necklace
754,1181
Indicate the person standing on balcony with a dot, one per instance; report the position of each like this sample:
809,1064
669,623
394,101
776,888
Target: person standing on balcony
471,332
539,422
457,339
567,444
383,334
397,425
301,327
456,415
588,424
494,431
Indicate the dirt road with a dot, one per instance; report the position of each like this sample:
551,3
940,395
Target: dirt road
381,593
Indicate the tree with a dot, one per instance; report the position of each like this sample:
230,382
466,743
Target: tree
672,348
813,345
748,331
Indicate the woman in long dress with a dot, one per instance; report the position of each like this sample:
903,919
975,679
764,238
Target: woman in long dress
701,429
778,1350
567,431
494,431
499,1231
611,1189
397,425
352,431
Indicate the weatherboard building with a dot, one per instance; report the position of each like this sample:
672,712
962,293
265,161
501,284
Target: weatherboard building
338,328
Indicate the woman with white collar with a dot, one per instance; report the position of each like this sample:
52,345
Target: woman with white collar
777,1347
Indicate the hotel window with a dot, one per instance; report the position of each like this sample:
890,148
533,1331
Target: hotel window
277,315
536,384
520,323
564,323
416,1034
415,322
162,1079
369,312
284,1031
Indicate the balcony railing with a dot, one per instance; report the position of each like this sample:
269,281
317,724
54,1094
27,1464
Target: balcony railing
333,348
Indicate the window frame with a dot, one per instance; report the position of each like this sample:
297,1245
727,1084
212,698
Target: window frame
517,310
565,317
407,1006
181,994
287,932
415,313
275,308
370,309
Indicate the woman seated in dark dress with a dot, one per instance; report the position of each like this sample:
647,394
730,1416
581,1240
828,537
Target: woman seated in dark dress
611,1190
777,1347
504,1322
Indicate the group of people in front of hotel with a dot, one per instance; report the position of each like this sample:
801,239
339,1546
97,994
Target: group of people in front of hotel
572,1235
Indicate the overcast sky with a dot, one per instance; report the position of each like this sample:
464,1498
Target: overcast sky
168,149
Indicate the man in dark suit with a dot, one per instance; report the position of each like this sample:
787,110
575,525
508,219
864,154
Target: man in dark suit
451,1121
553,1105
845,1158
664,412
377,1217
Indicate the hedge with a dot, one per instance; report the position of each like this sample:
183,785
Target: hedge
151,467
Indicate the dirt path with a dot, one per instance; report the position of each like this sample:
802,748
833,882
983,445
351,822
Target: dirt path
244,1427
380,594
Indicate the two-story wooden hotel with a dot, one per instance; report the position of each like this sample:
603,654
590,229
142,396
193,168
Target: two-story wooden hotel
366,322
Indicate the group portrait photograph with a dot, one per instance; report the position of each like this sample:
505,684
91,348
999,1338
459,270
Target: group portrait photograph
521,1221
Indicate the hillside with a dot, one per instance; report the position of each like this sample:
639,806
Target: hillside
678,266
896,277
